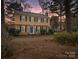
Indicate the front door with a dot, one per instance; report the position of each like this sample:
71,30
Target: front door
31,30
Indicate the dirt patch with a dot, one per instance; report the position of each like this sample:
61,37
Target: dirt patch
26,48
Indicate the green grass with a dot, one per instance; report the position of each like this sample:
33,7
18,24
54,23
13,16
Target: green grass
66,37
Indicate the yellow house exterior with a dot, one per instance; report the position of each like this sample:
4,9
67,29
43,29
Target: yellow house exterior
30,23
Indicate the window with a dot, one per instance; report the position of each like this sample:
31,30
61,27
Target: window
39,19
22,18
42,19
22,28
41,27
31,29
36,29
36,19
30,18
44,27
46,20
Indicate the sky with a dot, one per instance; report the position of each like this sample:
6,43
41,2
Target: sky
35,6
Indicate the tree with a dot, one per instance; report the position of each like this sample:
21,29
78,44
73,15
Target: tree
15,6
64,7
9,10
68,5
75,23
5,38
55,7
54,22
69,14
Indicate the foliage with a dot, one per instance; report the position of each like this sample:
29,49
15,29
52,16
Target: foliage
74,37
13,32
6,45
64,7
54,22
75,24
66,38
43,32
15,6
50,31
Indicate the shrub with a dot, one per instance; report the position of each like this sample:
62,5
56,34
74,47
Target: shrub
66,38
74,38
17,32
43,32
50,31
14,32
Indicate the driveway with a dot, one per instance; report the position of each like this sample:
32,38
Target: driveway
40,47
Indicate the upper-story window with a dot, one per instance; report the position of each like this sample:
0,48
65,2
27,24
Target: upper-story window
39,19
41,27
22,18
32,19
31,29
46,20
42,19
35,19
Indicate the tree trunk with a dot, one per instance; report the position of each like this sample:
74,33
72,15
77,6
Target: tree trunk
68,16
60,17
3,31
5,38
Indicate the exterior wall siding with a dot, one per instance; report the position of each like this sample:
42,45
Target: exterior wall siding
31,22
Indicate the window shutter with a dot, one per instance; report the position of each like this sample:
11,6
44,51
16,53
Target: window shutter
20,18
26,18
47,20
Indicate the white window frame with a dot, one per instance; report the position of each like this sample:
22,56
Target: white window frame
39,19
23,18
46,20
22,28
32,19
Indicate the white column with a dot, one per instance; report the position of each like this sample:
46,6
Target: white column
38,29
28,29
32,19
39,19
34,29
47,28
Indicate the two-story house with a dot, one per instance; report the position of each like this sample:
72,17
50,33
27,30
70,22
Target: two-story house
30,23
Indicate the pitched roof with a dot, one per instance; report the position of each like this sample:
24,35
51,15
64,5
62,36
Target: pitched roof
30,13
